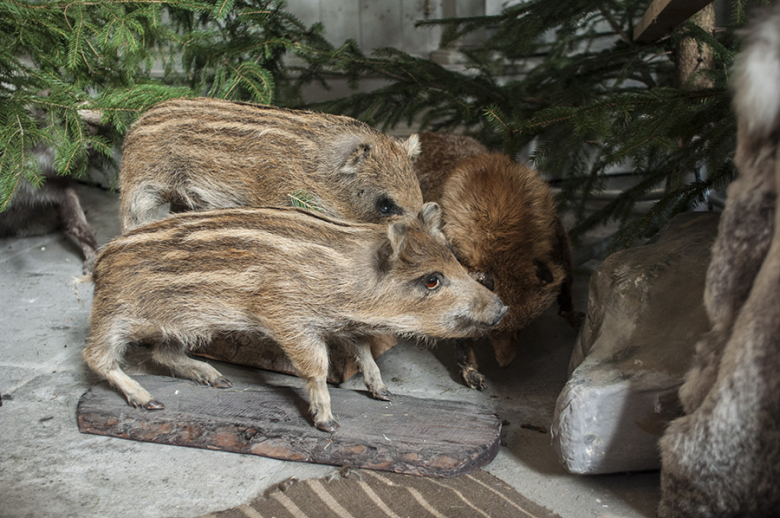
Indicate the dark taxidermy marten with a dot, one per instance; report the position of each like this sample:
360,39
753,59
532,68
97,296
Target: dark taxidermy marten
500,219
35,211
55,205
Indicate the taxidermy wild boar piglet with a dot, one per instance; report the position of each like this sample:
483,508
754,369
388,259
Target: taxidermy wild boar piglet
207,153
722,458
500,218
298,277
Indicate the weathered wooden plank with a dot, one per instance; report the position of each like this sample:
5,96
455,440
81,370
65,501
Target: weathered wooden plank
664,15
408,435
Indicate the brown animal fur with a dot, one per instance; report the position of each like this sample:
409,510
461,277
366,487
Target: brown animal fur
34,211
55,205
207,153
299,278
722,458
500,218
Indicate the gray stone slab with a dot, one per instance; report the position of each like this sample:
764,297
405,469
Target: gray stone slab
50,470
645,315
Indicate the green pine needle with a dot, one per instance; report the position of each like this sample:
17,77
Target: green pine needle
305,200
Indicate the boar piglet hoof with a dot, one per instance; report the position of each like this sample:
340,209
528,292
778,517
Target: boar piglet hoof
381,395
221,383
473,378
330,426
153,405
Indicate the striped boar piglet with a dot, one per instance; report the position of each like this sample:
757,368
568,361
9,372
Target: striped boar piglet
205,153
302,279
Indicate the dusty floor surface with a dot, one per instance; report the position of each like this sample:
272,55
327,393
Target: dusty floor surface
49,469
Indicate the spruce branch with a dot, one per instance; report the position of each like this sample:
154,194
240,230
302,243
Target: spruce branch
564,83
69,64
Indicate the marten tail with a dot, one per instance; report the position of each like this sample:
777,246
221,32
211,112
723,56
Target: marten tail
757,84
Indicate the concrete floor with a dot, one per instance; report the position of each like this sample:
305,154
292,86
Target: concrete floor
49,469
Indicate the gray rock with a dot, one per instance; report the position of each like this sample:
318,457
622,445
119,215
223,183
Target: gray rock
645,315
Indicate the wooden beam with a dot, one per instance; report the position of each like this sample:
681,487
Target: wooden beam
416,436
663,16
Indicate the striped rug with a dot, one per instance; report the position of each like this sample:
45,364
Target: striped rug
364,493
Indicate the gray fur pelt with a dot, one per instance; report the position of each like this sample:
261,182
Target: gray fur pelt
723,457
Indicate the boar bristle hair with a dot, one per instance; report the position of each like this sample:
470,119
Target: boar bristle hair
412,146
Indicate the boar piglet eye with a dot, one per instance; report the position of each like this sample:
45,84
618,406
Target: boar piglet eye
432,281
387,207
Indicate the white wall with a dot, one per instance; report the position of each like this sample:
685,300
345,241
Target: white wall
385,23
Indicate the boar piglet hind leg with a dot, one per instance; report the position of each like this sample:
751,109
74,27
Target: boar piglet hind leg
371,375
103,353
174,357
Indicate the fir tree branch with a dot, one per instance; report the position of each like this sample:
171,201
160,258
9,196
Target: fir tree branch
18,178
98,55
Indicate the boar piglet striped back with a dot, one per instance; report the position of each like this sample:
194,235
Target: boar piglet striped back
204,153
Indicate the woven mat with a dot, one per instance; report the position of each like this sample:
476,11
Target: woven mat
361,493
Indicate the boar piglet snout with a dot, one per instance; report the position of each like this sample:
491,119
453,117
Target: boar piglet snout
484,313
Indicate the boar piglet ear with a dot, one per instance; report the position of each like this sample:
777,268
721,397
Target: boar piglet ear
391,248
430,217
396,233
350,153
412,146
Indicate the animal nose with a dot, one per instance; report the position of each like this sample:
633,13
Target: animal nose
501,313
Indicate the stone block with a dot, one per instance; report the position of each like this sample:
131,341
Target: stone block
645,315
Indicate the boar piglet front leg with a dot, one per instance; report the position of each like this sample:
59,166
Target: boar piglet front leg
309,355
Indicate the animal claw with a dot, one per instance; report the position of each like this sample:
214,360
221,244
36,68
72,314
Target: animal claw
154,405
329,426
222,383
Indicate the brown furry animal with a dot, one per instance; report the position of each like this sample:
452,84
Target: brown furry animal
300,278
34,211
500,218
207,153
722,458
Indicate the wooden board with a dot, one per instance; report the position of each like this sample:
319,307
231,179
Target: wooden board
664,15
407,435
